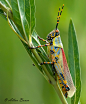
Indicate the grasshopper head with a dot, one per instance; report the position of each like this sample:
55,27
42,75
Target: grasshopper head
53,34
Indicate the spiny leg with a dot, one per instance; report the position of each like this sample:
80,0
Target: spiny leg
47,63
53,61
40,46
42,39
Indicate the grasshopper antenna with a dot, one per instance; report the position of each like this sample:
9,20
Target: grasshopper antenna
59,15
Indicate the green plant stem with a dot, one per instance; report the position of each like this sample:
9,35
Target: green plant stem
7,11
53,82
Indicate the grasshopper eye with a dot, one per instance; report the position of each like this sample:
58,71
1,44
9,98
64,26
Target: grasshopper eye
57,31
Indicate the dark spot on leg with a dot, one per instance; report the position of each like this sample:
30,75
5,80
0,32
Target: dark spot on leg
33,64
41,63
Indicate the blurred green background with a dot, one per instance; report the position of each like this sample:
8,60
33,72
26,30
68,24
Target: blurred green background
18,77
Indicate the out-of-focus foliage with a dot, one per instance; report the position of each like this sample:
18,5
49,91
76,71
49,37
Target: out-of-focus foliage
14,58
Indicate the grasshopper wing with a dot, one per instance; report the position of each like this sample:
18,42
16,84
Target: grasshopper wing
63,73
68,76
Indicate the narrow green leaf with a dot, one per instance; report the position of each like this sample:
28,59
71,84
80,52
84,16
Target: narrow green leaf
25,25
27,11
5,3
23,13
6,8
14,28
71,54
2,14
73,59
16,15
32,14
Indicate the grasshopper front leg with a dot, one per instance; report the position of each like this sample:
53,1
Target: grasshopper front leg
47,44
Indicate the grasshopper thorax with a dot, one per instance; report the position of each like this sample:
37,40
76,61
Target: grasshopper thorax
53,34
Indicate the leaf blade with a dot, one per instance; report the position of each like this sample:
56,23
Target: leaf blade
5,3
5,9
73,56
16,16
24,22
2,14
27,11
32,15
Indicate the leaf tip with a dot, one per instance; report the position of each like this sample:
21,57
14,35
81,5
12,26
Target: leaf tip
70,20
